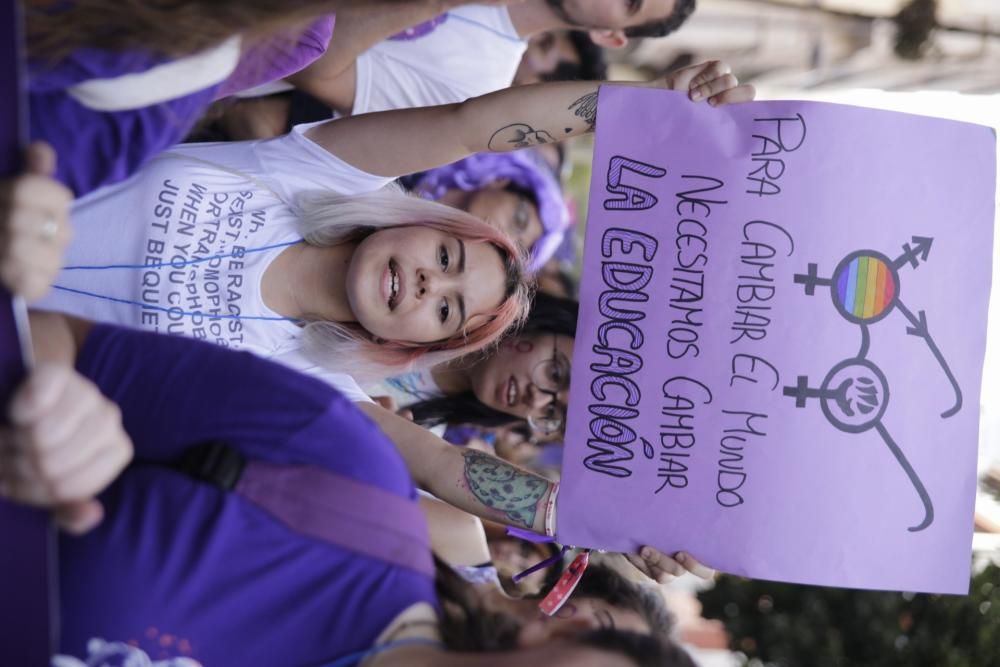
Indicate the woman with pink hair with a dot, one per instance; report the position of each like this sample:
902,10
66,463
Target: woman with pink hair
294,249
247,245
283,249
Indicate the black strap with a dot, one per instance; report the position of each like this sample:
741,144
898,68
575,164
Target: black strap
216,463
318,503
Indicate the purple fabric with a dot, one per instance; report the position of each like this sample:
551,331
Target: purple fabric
551,454
12,126
338,510
27,589
28,550
421,29
12,142
98,148
461,434
183,568
520,167
280,57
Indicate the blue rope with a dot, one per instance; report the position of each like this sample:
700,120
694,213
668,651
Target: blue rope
174,310
178,265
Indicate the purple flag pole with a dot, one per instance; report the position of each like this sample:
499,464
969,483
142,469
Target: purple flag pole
28,586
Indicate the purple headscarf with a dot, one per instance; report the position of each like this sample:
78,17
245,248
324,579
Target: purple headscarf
421,29
279,57
523,169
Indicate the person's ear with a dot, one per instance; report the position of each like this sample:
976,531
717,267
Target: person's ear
609,39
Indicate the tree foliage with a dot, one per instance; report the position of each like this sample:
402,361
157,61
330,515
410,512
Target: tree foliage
786,625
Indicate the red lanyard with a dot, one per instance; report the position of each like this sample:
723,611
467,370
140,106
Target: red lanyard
567,583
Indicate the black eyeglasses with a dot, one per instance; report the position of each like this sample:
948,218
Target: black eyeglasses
551,377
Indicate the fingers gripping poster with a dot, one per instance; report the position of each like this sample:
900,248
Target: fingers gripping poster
779,355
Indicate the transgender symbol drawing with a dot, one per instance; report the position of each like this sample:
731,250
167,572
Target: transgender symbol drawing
854,395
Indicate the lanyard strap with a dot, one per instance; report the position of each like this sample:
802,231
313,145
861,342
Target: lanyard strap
342,511
319,503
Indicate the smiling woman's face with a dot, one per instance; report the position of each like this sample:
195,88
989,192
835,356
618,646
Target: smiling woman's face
506,381
421,285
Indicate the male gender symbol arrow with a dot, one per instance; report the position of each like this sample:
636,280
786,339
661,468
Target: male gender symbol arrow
914,254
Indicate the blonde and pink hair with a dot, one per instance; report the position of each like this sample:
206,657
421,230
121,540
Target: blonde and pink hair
328,219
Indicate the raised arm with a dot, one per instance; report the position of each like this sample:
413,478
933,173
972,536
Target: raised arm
419,139
477,483
458,538
332,78
493,489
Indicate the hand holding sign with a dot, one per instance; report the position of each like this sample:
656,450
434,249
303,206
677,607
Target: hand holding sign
663,569
713,81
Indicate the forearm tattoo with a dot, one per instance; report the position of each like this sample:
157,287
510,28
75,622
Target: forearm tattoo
518,135
586,108
500,486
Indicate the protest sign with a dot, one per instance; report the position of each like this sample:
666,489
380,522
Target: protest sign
28,606
779,354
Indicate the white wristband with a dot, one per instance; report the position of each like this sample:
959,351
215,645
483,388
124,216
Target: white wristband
550,512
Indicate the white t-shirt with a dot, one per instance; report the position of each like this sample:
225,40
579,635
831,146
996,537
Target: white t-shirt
473,52
408,388
181,247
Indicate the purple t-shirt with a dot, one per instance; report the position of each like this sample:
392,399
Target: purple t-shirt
97,148
182,568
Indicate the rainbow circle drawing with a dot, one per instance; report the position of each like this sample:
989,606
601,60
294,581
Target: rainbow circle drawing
865,286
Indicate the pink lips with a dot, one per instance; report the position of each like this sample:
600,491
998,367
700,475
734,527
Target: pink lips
508,392
386,286
392,275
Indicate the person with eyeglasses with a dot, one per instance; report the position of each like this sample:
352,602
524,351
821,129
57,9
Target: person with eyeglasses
526,379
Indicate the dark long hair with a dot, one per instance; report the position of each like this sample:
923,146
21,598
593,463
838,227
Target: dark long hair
549,314
467,626
171,28
666,25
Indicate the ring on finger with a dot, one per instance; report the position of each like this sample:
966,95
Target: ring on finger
49,228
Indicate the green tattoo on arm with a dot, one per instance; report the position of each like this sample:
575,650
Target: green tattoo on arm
503,487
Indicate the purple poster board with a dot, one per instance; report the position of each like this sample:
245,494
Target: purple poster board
28,605
782,332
